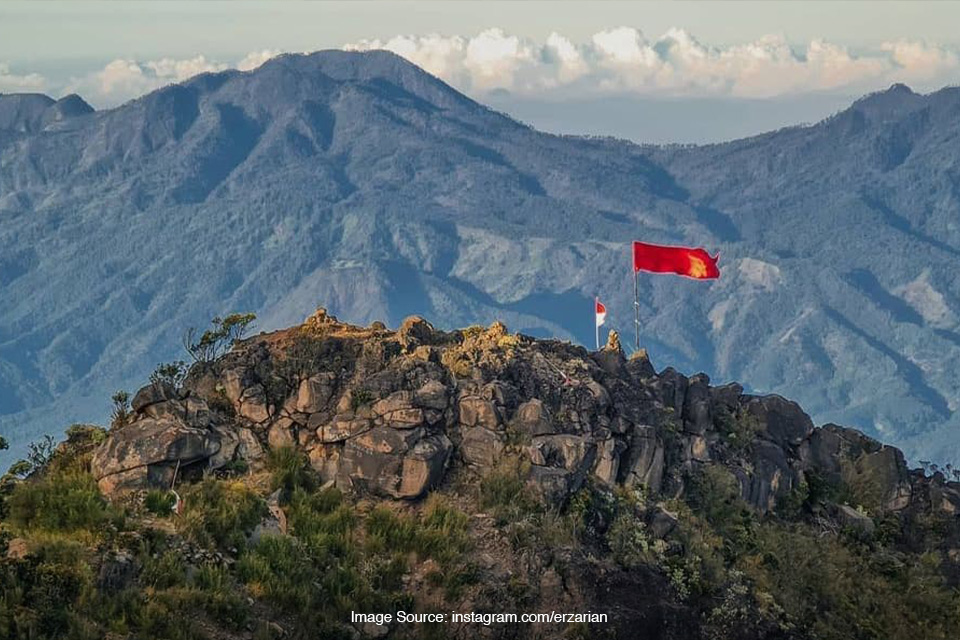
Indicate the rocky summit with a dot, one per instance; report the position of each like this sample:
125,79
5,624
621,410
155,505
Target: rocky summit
310,474
389,413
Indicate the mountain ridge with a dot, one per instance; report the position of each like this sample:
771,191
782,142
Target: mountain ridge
271,189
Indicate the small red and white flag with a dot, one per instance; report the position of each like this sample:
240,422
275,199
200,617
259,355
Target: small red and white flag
601,315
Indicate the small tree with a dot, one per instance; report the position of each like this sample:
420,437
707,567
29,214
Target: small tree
217,340
171,373
121,410
40,451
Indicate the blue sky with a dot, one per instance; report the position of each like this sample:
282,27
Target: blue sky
651,71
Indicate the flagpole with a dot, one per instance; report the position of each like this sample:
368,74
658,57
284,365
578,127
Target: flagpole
636,305
595,323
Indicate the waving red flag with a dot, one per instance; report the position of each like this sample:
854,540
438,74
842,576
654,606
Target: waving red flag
692,263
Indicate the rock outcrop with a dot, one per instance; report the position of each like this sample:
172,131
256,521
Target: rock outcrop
389,413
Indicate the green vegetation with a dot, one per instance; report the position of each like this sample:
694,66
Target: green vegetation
170,373
289,470
74,566
220,513
121,413
738,429
84,569
159,503
217,340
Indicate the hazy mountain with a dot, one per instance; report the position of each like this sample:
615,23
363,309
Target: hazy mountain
359,182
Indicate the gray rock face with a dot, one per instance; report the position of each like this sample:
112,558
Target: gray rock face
780,420
769,477
846,455
315,393
850,518
147,453
644,462
394,463
392,422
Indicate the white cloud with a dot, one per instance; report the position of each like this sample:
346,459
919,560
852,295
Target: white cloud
14,83
624,60
124,79
621,60
256,58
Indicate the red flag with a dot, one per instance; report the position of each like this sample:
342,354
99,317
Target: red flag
601,312
692,263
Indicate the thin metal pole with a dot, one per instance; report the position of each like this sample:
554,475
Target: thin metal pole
636,306
596,324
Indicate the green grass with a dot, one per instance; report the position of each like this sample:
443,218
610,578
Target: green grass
220,513
159,502
67,501
290,470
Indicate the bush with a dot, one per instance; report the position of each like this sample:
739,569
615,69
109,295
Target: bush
290,470
86,433
504,491
171,373
121,413
160,503
217,340
279,569
221,513
69,501
164,570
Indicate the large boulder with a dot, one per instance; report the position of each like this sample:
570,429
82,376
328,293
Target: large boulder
146,453
153,393
253,404
315,392
397,463
476,411
533,418
481,447
565,451
768,478
398,411
607,467
415,331
643,461
779,420
696,405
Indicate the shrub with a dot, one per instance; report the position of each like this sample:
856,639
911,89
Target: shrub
86,433
121,413
219,512
504,491
278,568
738,429
290,470
217,340
163,570
171,373
39,452
360,398
69,501
160,503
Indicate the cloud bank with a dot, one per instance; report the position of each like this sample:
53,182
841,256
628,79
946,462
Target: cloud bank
11,82
618,61
624,60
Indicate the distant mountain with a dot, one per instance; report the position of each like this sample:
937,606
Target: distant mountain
360,182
